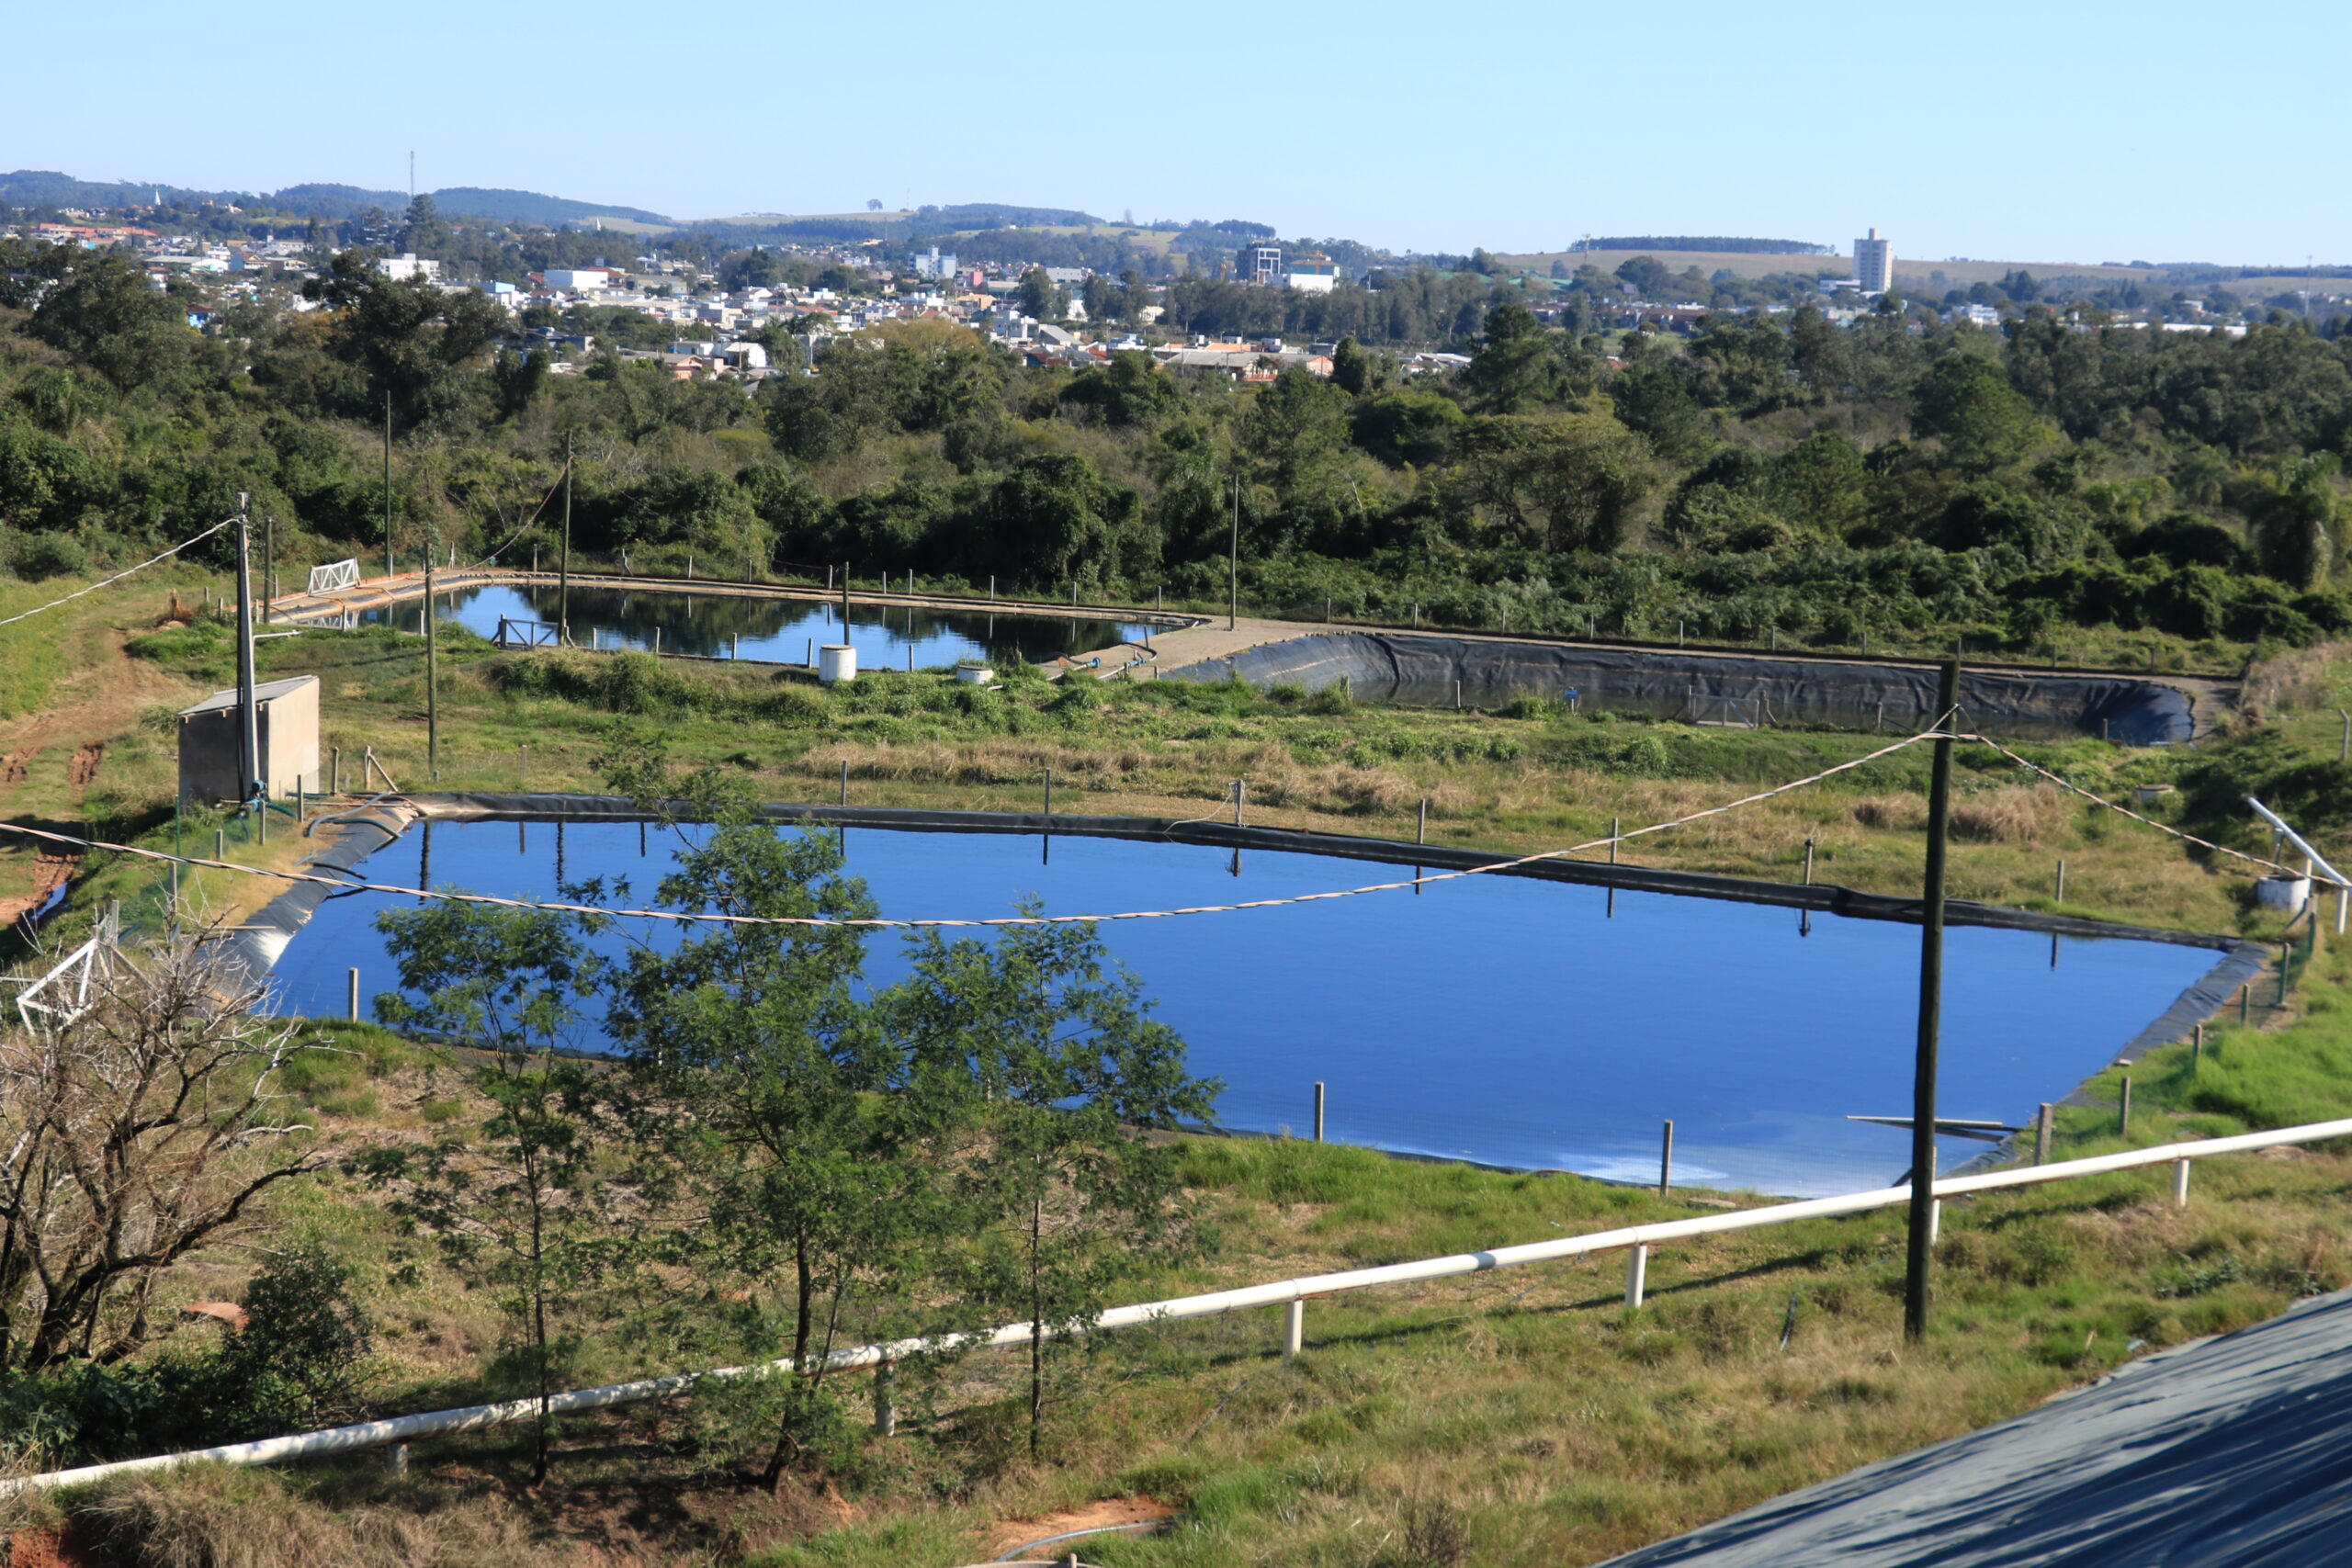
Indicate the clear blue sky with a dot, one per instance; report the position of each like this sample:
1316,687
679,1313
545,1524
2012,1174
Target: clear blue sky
2068,132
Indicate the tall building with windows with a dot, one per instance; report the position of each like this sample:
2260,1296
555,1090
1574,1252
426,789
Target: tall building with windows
1874,264
1259,265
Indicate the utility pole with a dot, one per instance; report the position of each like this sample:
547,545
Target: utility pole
1233,563
1932,993
563,571
432,666
248,721
389,565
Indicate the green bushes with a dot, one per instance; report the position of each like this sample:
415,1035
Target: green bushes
302,1359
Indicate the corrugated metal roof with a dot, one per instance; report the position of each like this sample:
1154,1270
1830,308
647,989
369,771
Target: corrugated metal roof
267,691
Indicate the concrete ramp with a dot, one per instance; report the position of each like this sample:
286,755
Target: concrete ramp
2227,1453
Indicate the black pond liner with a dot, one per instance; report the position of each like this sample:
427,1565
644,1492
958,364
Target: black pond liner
1710,687
348,842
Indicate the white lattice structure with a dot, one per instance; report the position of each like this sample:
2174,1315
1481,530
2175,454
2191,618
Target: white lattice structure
334,577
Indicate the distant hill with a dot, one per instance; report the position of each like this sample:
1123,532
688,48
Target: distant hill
1707,243
968,215
530,207
38,188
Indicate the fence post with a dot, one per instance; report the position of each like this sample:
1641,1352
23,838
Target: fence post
1612,841
219,843
1808,862
2197,1050
1637,1268
886,1410
2041,1128
1665,1160
845,781
2123,1111
1318,1110
1240,792
2180,1184
1422,832
2059,896
1049,791
336,752
1294,1330
352,981
526,765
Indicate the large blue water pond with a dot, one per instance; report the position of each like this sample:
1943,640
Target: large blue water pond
1491,1018
779,629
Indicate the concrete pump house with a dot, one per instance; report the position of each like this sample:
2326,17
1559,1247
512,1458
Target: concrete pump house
286,720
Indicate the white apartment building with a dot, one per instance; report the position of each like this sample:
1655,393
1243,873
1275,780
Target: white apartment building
1874,262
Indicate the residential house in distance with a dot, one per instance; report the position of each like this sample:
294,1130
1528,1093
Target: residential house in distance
1312,272
407,264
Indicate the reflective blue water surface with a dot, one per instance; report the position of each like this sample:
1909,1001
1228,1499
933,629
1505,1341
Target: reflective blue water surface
778,629
1490,1018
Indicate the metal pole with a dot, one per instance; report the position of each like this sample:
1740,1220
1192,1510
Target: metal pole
845,781
1808,862
1049,791
268,565
1637,1268
1294,1330
1612,841
2041,1129
2059,896
391,565
2123,1111
1240,788
352,977
1318,1110
432,667
1920,1250
1422,833
563,571
1665,1160
248,719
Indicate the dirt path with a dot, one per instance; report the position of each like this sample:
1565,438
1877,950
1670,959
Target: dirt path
1009,1533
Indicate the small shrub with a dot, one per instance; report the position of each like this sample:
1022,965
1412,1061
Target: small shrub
437,1112
1436,1535
45,555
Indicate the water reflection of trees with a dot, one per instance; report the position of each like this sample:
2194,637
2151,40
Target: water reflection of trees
708,625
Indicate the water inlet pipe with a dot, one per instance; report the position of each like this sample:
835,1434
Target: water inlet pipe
2302,846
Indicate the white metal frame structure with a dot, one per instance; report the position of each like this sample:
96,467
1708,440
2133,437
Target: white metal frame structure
1291,1295
334,577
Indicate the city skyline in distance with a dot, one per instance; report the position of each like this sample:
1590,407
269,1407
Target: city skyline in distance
2071,148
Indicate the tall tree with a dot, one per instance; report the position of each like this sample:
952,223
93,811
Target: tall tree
516,1201
1065,1195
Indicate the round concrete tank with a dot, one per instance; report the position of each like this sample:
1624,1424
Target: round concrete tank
2288,893
836,661
975,674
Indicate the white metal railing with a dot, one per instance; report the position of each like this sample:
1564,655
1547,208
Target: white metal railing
1290,1294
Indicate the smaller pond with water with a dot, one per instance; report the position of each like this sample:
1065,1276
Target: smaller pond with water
779,629
1505,1020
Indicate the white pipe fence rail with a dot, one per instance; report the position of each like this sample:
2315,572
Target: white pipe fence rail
1289,1295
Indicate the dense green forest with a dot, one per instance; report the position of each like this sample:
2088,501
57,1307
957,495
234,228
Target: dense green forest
1767,473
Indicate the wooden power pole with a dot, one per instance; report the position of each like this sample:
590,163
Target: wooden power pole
1931,996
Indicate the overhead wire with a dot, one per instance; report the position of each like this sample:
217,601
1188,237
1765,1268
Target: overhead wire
118,576
884,922
2122,811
